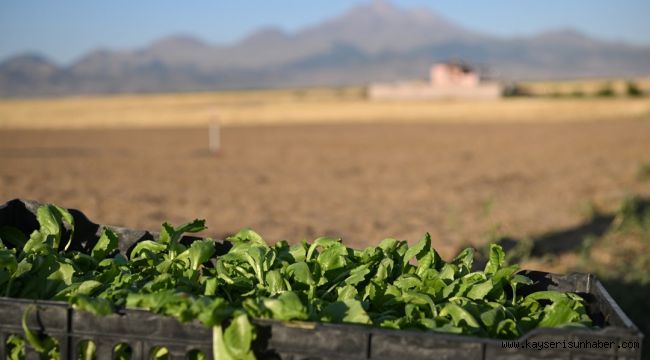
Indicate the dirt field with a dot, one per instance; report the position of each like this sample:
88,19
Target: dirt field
461,182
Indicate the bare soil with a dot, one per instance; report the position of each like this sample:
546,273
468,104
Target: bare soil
463,183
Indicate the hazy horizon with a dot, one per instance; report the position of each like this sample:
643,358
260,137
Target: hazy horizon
67,30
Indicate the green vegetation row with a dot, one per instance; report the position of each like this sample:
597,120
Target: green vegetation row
391,285
607,89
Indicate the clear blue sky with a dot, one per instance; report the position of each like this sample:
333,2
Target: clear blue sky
65,29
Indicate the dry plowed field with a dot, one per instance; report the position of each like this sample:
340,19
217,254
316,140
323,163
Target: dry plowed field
461,182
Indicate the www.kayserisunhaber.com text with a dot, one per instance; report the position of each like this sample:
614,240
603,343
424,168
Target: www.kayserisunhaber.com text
570,344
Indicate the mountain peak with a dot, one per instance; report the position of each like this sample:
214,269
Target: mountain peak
383,7
380,26
178,41
383,10
266,34
377,10
27,67
566,32
31,58
565,35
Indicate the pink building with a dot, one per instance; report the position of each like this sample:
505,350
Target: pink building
453,74
448,80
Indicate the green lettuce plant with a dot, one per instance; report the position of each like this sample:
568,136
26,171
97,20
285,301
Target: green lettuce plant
391,285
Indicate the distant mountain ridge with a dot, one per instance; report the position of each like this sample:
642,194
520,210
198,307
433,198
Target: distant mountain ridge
372,42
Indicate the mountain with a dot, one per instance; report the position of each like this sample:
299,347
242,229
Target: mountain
376,41
28,73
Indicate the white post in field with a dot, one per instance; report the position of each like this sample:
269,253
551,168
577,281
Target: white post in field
214,135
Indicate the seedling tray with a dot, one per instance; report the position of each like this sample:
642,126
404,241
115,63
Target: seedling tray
144,331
